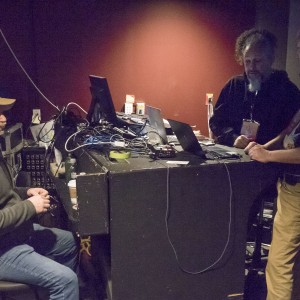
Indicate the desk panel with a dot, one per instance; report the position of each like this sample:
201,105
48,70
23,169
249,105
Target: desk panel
201,203
176,232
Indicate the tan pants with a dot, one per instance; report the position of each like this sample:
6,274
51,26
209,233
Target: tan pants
285,245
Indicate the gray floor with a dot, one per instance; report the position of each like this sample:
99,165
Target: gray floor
23,296
255,281
85,295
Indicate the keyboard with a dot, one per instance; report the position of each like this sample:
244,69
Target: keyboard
215,152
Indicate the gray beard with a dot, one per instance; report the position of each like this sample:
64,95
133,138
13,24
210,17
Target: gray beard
254,84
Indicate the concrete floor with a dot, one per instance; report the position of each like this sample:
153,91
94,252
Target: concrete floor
85,294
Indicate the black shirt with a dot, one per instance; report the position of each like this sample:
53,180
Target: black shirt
273,107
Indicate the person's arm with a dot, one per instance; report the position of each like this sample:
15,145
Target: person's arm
14,216
290,156
20,212
276,143
220,123
14,212
24,192
226,121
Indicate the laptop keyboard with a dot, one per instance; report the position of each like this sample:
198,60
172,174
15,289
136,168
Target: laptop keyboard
214,152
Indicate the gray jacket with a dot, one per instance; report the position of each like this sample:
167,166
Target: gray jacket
15,214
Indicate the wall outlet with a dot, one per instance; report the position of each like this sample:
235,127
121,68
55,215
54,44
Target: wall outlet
208,96
36,116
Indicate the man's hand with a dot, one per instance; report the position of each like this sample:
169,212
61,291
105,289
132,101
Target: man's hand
259,153
38,191
40,198
41,204
241,142
250,145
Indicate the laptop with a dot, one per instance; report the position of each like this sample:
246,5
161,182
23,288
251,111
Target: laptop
190,143
102,107
156,122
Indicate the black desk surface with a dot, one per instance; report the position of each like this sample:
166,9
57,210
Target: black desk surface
140,162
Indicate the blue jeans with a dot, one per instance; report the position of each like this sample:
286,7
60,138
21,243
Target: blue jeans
47,260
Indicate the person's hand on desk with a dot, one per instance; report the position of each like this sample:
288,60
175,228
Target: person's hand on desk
258,152
241,142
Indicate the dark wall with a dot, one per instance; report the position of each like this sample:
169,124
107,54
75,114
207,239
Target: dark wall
266,12
293,63
166,53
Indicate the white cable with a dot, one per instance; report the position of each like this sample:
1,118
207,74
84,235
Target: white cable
18,62
88,144
228,233
83,145
73,103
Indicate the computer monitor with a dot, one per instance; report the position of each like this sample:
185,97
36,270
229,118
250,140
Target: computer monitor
102,107
11,139
11,144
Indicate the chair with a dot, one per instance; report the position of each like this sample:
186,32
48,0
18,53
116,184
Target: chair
9,287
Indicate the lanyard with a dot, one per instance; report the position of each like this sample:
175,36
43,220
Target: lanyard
252,105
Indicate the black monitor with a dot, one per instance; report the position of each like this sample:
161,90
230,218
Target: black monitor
11,144
102,107
11,139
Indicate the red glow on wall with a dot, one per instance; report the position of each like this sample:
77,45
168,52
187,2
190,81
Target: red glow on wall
166,53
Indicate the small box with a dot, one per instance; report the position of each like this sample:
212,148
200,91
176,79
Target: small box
140,108
128,108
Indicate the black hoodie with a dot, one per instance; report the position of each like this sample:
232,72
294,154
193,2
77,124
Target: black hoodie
273,107
16,216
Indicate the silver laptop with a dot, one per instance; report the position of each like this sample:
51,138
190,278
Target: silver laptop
156,122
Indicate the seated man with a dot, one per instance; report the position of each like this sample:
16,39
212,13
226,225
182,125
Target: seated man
30,253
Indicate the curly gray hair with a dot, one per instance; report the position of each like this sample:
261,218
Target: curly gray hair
254,36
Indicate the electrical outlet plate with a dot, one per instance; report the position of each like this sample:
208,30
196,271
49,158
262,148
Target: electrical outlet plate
36,116
208,96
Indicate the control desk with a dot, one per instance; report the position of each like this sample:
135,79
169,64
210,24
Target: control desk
176,231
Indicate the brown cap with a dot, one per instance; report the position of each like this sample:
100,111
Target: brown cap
6,103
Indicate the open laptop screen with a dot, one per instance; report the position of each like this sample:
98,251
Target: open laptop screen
156,122
187,138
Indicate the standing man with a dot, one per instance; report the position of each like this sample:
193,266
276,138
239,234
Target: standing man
298,45
259,104
30,253
283,267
